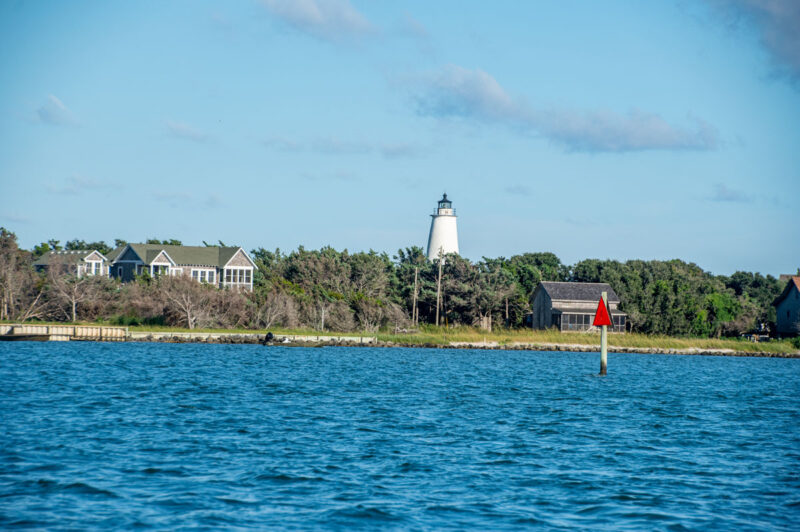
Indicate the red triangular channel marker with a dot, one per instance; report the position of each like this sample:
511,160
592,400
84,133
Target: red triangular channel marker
601,317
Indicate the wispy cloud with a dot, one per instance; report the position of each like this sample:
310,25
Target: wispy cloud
343,176
778,24
55,113
222,24
76,185
518,190
415,31
183,131
722,193
414,28
171,196
174,199
329,20
213,201
400,151
458,93
338,146
14,218
282,144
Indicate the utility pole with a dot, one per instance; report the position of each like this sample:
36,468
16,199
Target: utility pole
439,287
414,310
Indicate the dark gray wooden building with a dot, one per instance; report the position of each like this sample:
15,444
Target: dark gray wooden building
572,306
787,309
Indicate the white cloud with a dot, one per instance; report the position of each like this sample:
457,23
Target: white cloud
55,113
778,23
186,132
459,92
456,92
330,20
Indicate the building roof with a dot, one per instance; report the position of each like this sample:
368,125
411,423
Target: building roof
215,256
793,284
64,256
578,291
587,309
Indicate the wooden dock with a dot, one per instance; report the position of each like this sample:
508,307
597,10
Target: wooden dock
62,333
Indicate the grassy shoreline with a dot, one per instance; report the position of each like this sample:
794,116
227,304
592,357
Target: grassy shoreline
440,336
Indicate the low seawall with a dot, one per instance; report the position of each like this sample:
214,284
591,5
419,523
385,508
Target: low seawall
62,333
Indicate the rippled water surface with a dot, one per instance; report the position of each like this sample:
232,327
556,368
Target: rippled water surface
154,435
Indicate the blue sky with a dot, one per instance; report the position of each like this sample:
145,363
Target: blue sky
624,130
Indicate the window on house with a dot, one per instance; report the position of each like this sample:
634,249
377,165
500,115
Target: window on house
211,276
238,276
119,272
203,276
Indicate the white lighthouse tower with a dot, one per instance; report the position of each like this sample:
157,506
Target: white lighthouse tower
443,237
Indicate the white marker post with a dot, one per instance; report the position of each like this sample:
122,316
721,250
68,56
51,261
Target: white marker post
604,341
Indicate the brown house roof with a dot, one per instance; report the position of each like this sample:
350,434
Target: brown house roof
793,284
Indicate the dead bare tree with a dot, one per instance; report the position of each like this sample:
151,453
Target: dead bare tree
271,308
190,302
68,290
20,288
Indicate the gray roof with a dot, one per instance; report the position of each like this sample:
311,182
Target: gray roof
584,309
578,291
71,256
215,256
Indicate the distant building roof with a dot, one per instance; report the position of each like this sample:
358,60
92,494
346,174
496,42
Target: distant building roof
216,256
65,256
578,291
794,284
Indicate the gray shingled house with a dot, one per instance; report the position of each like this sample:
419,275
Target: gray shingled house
572,306
220,266
78,261
787,309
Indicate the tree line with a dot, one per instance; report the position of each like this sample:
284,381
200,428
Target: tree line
334,290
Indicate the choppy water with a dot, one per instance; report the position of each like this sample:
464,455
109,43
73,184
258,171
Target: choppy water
154,435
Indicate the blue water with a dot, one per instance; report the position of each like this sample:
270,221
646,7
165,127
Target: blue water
157,435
